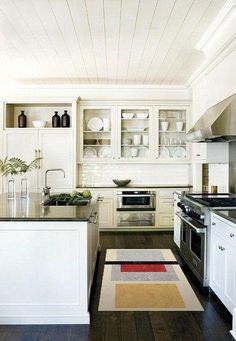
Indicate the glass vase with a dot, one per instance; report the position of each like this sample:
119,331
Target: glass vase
24,192
11,188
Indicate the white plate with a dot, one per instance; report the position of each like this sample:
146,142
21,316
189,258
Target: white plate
126,152
179,152
95,124
104,152
142,115
135,129
164,153
90,153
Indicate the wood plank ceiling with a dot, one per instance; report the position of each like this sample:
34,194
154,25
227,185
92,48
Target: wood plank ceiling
102,41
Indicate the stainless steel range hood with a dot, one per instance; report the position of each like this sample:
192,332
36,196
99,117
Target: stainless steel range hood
217,124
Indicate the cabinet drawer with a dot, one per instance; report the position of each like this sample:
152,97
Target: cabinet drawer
165,220
224,230
166,206
166,193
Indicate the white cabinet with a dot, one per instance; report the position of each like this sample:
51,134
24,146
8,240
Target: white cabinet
223,261
177,221
210,152
54,146
106,213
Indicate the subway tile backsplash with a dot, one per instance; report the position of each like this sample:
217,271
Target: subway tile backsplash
102,174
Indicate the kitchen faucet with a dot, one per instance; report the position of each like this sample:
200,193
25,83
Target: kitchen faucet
46,189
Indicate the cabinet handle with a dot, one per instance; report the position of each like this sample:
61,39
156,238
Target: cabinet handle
100,198
213,223
221,248
231,235
36,153
39,155
198,154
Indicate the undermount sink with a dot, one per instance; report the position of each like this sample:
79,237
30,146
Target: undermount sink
66,201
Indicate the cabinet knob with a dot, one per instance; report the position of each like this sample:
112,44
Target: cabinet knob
213,223
198,154
231,235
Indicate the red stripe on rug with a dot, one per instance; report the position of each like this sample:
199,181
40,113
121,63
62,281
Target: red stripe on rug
142,268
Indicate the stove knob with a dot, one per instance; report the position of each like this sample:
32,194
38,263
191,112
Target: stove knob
202,216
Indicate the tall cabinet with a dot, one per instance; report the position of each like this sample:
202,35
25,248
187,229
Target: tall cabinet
56,146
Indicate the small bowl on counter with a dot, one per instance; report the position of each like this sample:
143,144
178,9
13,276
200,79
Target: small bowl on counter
121,183
39,124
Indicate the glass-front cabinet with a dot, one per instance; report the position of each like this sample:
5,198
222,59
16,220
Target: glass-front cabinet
134,131
97,137
171,135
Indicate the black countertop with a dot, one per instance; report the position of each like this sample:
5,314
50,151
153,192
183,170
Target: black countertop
132,186
31,209
228,214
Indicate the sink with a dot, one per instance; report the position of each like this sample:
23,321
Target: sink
67,200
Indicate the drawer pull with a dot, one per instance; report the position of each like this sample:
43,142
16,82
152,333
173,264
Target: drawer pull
231,235
221,248
213,223
198,154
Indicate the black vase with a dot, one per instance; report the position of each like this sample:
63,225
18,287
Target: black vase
56,120
65,120
22,120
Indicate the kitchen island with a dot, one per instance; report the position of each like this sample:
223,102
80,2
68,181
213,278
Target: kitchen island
47,261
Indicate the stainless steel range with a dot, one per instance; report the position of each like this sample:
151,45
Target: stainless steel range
195,228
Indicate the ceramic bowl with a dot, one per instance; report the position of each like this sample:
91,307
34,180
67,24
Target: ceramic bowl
128,115
39,124
121,183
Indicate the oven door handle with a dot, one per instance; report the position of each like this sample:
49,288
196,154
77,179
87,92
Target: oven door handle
196,229
135,195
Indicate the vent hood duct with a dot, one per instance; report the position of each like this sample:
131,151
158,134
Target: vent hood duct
217,124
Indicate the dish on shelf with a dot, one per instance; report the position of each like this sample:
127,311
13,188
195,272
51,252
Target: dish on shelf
127,115
164,153
179,152
104,152
39,124
90,141
135,129
90,153
104,141
95,124
142,115
126,152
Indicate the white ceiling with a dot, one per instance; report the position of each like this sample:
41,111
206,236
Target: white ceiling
102,41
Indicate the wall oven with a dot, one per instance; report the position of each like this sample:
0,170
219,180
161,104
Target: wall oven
193,246
136,200
136,208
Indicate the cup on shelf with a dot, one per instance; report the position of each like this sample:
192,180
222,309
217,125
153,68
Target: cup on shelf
137,140
126,141
145,140
179,125
106,124
164,125
134,152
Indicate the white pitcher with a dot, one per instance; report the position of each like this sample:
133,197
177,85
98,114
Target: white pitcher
145,140
137,140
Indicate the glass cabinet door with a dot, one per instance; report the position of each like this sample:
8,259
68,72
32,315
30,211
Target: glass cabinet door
134,133
172,135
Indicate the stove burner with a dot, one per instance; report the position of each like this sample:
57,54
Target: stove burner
214,200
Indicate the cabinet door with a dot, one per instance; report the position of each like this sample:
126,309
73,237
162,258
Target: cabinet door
217,270
106,213
199,152
56,148
230,276
24,145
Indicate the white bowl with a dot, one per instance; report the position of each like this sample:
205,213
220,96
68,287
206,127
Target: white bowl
142,115
39,124
128,115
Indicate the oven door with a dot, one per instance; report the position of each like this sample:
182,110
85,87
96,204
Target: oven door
193,245
132,202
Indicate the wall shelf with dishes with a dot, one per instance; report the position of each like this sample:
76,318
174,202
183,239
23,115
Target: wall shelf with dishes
171,134
134,133
97,133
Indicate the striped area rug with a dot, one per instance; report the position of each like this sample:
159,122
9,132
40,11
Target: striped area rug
145,280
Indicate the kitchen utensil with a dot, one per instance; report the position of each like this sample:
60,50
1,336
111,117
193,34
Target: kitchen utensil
137,140
127,115
90,152
121,182
179,152
106,124
164,125
164,152
179,125
104,152
134,152
95,124
142,115
39,124
145,140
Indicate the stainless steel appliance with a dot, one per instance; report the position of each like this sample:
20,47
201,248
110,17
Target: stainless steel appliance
136,200
136,209
195,221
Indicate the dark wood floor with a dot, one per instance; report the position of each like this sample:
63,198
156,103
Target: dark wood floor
213,323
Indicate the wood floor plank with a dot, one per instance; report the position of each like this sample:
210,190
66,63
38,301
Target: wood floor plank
128,326
143,326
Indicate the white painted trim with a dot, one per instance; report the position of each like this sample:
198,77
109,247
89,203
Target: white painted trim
233,331
79,319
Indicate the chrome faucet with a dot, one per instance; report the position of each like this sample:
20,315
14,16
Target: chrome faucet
46,189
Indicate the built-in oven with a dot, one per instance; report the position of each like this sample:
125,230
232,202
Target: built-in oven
136,200
193,246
